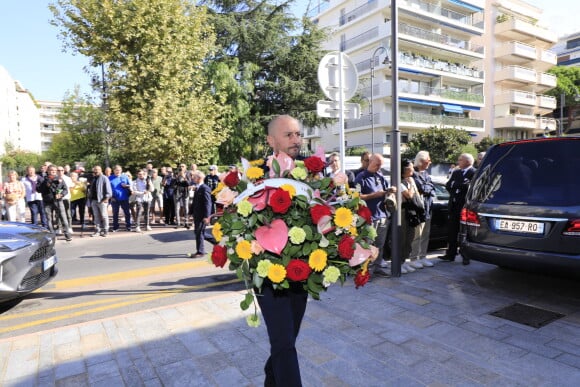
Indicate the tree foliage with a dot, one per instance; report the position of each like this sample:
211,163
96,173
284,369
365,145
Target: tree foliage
443,145
488,141
266,65
18,160
153,53
568,83
82,133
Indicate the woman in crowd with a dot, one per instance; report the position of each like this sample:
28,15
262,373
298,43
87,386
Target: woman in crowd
14,195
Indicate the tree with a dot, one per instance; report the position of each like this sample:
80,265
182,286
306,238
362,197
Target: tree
153,52
568,83
488,141
267,65
82,135
18,160
444,145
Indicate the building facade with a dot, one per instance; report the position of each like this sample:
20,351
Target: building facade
459,67
49,123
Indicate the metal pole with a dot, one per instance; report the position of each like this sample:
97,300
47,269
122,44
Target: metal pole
341,109
395,144
106,125
372,108
562,102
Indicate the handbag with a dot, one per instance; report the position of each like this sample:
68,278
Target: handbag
11,198
391,202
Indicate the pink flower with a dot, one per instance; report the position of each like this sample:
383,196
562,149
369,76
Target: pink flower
256,248
286,163
226,196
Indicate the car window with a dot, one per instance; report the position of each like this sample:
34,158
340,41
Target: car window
533,173
441,192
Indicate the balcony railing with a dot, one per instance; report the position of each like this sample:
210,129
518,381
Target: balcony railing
439,38
435,64
404,87
471,20
439,120
360,39
355,13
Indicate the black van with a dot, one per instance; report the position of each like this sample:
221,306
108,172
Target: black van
523,206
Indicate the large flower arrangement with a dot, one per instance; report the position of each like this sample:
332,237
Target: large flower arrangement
294,226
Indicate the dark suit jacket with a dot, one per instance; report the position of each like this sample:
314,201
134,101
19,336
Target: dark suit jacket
202,202
457,186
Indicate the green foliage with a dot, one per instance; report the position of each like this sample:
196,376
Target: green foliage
444,145
568,83
266,65
486,142
356,151
18,160
154,53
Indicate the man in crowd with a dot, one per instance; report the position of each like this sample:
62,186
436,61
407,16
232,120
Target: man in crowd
374,188
156,196
53,189
212,180
34,198
364,163
121,187
457,187
201,209
181,185
99,194
168,201
425,188
141,188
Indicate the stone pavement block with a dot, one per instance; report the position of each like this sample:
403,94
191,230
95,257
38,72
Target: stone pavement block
196,344
103,371
153,383
145,368
533,342
108,382
571,360
73,381
230,341
562,330
432,372
182,373
67,351
92,328
399,353
354,375
485,331
488,349
412,299
538,370
250,361
63,370
66,336
427,348
565,346
230,376
475,371
22,363
314,353
413,319
166,351
45,353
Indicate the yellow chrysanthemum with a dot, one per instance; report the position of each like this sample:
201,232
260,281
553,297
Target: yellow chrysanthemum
257,163
317,260
353,231
276,273
217,232
290,189
254,173
343,217
245,208
217,189
244,249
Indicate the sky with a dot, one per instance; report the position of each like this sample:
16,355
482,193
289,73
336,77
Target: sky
31,52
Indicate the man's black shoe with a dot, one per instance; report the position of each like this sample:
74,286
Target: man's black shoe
446,258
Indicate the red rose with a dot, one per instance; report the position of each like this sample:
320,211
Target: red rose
318,211
314,164
280,201
232,179
346,247
297,270
364,212
361,279
219,255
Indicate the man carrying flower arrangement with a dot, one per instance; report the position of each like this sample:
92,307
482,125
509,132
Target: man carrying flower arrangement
288,236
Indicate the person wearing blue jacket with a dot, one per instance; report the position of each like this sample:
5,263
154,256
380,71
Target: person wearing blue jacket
121,187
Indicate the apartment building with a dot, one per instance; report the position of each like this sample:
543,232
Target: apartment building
458,68
19,120
518,60
568,50
49,123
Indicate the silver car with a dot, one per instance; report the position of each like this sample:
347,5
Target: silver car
27,259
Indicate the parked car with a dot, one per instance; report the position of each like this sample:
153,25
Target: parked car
27,259
523,206
438,233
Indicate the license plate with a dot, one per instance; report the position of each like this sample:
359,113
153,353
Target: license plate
50,262
520,226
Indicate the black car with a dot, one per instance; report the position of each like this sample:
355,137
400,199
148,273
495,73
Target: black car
523,206
27,259
438,233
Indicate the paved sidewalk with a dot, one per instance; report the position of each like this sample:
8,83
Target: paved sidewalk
431,327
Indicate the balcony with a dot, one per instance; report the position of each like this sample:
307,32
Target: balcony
357,12
421,61
516,97
435,11
441,41
516,53
523,31
545,60
522,121
440,121
365,37
544,122
437,94
547,102
516,74
547,80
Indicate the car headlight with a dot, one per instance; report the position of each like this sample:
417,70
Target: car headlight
7,245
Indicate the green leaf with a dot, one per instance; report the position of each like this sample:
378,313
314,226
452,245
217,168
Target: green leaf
276,167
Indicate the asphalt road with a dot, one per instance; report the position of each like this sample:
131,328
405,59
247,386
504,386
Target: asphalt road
125,272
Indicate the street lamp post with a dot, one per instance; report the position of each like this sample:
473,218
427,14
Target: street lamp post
105,122
372,110
560,126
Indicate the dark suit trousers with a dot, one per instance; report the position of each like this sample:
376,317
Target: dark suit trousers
453,231
283,312
199,230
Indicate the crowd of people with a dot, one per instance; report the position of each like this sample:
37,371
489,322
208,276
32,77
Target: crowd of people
57,197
